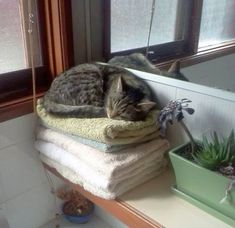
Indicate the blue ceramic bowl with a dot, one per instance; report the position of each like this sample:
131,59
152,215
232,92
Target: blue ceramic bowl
79,219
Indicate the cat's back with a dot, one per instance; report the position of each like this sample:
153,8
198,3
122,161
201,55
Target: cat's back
134,61
80,72
81,84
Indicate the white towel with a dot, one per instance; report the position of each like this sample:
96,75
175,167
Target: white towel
86,172
113,165
120,188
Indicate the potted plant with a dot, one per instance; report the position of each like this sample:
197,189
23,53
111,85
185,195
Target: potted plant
204,170
76,208
78,212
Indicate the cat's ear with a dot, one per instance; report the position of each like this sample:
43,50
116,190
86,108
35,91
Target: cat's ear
146,105
120,85
175,67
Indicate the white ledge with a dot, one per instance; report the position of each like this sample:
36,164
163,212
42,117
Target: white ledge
156,200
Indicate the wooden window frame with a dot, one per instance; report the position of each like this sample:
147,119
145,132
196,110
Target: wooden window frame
57,49
188,53
162,52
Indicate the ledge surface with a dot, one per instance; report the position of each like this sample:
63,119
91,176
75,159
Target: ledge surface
156,200
153,204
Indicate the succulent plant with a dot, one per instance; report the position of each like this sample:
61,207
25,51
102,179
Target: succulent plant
216,153
212,154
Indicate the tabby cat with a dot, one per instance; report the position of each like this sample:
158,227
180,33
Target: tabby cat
139,62
96,90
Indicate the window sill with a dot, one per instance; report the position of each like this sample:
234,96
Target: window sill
17,107
201,56
151,205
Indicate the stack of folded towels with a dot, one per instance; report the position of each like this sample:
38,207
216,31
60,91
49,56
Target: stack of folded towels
106,157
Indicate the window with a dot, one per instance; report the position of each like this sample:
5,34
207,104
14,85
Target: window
177,28
135,23
217,22
52,45
14,37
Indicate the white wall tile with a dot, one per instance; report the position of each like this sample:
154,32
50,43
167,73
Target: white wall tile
20,170
57,182
31,209
3,216
3,196
108,218
4,223
16,130
163,93
211,114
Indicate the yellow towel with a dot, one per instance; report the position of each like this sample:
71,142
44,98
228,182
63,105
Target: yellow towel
104,130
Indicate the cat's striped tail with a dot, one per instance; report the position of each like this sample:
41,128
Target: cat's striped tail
84,111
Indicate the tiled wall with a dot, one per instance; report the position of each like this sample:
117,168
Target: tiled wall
25,198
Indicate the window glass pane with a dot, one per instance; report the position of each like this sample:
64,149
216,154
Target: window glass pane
130,21
14,37
11,39
217,24
164,26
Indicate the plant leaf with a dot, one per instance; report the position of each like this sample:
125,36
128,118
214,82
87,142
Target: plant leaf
189,110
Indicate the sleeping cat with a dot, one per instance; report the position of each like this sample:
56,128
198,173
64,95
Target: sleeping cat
96,90
139,62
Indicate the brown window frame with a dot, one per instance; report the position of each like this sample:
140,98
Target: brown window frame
162,52
188,52
57,49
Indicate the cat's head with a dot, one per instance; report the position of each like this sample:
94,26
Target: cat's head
174,71
127,103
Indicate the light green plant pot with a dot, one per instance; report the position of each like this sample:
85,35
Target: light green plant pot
200,184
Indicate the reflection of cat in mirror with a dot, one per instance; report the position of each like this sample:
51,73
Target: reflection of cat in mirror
95,90
138,61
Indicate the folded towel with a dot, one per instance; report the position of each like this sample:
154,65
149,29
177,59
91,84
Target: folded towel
112,148
120,188
112,165
103,146
104,130
88,173
91,176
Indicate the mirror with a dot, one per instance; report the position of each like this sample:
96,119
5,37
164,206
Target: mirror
217,73
160,21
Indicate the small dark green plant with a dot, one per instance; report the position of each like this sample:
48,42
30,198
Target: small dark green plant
216,153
